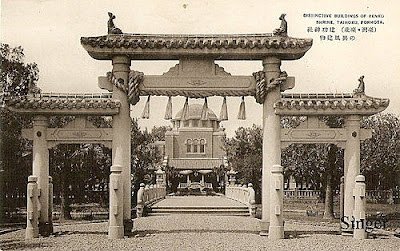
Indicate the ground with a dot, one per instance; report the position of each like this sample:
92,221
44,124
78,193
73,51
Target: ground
197,232
205,232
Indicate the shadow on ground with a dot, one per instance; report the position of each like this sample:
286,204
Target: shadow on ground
22,244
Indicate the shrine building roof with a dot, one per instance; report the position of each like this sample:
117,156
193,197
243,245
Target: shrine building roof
329,104
64,104
194,112
176,46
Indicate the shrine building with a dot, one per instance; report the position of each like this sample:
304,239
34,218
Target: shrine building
194,148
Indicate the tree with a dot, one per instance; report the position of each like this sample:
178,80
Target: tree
380,155
144,155
16,79
244,153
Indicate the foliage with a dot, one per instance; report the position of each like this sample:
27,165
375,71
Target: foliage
244,153
380,155
16,78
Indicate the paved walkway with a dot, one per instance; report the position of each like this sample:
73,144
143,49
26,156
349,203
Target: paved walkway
198,201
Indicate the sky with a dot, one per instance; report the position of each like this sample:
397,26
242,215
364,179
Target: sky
50,31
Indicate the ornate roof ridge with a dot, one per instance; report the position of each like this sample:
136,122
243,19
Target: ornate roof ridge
196,41
317,95
67,103
192,35
329,103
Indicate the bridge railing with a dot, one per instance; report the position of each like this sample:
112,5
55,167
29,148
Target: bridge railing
148,195
244,194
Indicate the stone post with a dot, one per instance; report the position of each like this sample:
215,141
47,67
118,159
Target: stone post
352,164
271,138
51,204
116,227
160,174
140,201
32,214
121,143
276,205
40,169
252,200
359,208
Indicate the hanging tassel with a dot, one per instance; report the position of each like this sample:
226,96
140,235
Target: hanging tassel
146,110
204,111
242,110
223,115
168,110
185,111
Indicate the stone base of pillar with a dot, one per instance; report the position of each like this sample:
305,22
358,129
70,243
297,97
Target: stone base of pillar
45,229
275,232
360,234
115,232
264,227
31,233
128,226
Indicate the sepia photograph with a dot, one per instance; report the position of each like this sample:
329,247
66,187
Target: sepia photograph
199,125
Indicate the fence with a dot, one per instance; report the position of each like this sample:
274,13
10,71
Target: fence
147,195
244,194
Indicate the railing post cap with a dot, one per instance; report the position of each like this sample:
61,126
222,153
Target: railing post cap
116,168
360,178
142,184
277,169
250,184
50,179
32,178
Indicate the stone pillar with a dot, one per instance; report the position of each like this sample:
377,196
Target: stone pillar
116,187
187,179
359,208
352,165
140,201
32,214
50,212
40,169
121,143
276,203
271,138
252,200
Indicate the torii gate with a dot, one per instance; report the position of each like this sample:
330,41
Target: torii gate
196,76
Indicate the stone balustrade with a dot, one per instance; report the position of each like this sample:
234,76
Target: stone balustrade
244,194
147,195
301,193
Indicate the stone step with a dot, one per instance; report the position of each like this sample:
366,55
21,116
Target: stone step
200,213
233,211
200,207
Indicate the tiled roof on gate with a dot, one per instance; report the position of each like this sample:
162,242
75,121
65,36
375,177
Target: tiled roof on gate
303,104
102,104
176,41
